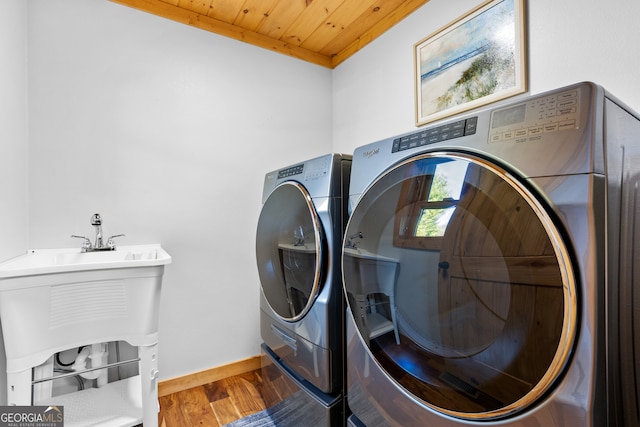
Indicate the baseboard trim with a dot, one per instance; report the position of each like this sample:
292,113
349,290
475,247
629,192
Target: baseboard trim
196,379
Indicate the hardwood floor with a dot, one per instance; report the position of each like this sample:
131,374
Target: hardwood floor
214,404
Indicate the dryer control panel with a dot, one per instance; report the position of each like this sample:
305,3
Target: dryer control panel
436,134
312,169
551,113
290,171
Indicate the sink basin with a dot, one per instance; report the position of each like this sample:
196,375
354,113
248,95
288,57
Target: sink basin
46,261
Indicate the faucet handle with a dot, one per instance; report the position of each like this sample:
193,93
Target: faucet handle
111,243
86,244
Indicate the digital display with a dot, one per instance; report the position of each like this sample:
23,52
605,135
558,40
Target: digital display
509,116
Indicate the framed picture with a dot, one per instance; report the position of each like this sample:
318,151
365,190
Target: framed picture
477,59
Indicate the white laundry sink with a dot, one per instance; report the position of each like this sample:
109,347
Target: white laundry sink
46,261
55,299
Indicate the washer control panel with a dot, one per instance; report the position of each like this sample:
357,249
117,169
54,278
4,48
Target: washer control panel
521,122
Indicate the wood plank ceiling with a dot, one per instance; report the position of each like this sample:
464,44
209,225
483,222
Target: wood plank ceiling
323,32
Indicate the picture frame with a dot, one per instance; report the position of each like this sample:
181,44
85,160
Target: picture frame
477,59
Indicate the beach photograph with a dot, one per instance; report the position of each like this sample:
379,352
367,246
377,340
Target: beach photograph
474,59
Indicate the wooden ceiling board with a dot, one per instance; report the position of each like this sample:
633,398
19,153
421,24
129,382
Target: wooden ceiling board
313,16
253,13
281,17
359,32
377,30
225,10
323,32
336,23
199,6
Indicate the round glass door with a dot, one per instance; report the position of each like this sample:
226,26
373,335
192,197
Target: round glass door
289,251
460,285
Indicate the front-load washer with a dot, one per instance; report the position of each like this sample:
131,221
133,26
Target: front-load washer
302,307
489,264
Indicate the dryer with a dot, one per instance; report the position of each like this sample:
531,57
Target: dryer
302,307
491,280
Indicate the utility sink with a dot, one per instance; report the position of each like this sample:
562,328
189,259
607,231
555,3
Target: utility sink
46,261
52,300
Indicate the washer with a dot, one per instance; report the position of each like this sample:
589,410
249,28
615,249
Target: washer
302,306
491,278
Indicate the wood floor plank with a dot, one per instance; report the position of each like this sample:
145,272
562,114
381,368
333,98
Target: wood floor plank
270,394
245,396
170,411
196,408
216,390
214,404
254,387
224,411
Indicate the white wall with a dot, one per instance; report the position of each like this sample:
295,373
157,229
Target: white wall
13,139
167,131
13,128
569,41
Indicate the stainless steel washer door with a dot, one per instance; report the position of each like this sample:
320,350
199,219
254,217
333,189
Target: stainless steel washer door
289,251
460,285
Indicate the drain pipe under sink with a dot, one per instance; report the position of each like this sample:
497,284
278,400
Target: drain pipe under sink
97,354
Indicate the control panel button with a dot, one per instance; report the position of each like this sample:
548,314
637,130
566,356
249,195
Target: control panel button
551,113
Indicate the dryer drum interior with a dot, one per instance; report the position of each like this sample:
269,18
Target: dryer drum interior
289,251
460,285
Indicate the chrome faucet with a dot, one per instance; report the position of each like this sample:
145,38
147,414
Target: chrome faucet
96,221
99,245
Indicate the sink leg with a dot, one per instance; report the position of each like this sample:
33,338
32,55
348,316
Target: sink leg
149,383
19,388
